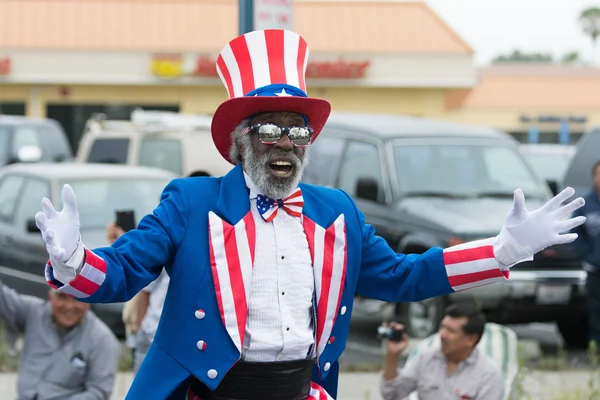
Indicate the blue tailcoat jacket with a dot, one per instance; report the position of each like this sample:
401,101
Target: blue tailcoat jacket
202,232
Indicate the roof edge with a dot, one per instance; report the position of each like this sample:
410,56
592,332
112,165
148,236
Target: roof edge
445,25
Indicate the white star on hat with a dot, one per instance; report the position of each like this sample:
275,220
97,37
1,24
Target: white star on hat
283,93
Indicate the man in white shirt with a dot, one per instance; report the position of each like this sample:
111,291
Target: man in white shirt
264,269
457,369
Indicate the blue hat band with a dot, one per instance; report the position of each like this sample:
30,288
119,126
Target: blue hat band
277,90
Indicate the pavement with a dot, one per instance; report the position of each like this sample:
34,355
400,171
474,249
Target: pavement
365,386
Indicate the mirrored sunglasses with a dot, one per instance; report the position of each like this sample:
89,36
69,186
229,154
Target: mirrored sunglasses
270,133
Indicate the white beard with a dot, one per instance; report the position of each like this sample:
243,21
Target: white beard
257,168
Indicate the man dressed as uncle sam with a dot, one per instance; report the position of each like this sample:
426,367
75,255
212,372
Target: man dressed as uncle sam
264,269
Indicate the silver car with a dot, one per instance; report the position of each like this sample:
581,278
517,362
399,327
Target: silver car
101,190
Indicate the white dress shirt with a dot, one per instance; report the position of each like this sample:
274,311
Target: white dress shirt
279,325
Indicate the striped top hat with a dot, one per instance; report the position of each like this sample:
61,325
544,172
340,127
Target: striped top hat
264,71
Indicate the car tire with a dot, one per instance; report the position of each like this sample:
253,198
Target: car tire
574,332
421,319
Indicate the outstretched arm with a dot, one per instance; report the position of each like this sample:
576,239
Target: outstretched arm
116,273
389,276
15,307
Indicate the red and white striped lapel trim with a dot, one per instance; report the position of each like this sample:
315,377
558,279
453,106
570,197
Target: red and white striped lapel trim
318,393
232,249
329,255
472,264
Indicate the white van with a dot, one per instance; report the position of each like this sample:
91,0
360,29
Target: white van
175,142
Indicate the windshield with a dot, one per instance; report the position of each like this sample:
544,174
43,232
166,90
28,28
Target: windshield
161,153
549,166
99,199
464,171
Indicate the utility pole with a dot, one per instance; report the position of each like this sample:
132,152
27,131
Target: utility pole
246,16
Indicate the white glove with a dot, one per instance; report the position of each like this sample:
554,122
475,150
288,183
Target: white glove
60,232
529,232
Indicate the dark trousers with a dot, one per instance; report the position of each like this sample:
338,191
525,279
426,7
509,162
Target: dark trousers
593,299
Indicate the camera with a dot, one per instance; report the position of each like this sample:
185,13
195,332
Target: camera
391,334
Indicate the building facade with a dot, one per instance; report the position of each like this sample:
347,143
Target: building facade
66,59
545,103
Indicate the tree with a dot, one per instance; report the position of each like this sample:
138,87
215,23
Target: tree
590,23
571,57
518,56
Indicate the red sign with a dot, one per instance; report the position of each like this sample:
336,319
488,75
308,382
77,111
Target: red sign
206,67
4,66
337,69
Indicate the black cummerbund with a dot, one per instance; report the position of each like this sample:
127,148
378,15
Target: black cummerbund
281,380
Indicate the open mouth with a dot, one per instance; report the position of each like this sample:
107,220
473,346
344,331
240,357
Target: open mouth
281,168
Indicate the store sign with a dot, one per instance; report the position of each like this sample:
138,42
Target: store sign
4,66
167,65
274,14
171,66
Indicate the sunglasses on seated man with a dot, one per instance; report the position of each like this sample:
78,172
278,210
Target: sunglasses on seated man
270,133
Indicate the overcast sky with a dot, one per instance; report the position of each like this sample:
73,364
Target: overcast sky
495,27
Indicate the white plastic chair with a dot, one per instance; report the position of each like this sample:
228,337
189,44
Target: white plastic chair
498,342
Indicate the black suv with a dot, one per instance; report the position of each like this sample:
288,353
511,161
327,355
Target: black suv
24,139
424,183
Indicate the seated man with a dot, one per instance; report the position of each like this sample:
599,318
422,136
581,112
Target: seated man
457,369
68,353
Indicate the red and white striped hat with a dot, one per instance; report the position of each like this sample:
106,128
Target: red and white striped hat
264,71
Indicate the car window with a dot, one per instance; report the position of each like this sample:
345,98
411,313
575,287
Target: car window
29,203
360,160
56,143
325,156
463,170
10,187
549,166
99,199
112,151
161,153
25,135
579,173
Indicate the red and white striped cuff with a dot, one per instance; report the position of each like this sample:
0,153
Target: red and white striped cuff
86,283
473,264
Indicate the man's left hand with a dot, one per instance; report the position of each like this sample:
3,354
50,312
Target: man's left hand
529,232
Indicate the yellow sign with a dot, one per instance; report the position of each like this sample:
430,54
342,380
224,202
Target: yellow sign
167,66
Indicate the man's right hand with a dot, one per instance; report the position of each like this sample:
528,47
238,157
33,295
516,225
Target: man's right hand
113,232
60,232
396,348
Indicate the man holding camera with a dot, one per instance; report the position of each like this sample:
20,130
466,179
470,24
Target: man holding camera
455,370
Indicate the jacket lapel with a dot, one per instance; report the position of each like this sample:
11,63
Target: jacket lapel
232,236
328,249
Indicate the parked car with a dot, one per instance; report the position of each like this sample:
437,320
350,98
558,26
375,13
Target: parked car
423,183
24,139
176,142
550,161
579,171
101,190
